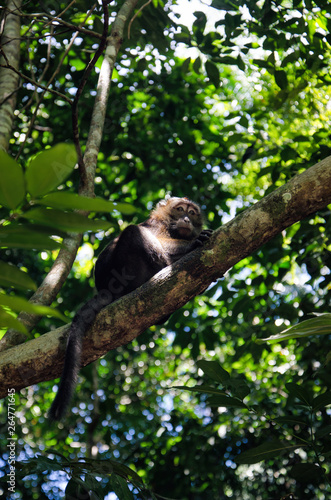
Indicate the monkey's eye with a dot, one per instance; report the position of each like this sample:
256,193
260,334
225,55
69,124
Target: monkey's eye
180,209
191,212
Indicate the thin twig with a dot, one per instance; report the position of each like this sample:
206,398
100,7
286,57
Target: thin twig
33,82
68,25
136,14
56,18
36,97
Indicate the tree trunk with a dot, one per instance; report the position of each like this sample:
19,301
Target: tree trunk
9,80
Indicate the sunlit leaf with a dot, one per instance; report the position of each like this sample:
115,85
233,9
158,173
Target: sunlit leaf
12,184
65,201
12,276
19,304
65,221
321,325
50,168
29,236
8,321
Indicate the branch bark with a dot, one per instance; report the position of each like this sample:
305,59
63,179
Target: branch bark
42,359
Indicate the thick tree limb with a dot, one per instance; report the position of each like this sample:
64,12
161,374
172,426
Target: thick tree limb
121,322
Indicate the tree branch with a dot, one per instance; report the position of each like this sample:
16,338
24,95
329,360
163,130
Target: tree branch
42,359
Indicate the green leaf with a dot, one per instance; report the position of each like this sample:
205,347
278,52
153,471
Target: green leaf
213,73
241,64
238,388
12,276
124,471
281,79
65,200
76,489
50,168
12,185
8,321
226,401
307,473
321,401
186,64
29,236
299,392
292,420
120,487
197,65
213,370
205,389
227,5
200,22
19,304
78,64
65,221
265,451
315,326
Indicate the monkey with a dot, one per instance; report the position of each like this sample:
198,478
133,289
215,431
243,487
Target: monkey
173,229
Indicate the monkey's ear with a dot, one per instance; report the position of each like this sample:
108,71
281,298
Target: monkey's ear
162,203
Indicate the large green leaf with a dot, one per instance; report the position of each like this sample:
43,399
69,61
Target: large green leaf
65,201
12,185
50,168
30,236
19,304
65,221
12,276
321,325
213,370
8,321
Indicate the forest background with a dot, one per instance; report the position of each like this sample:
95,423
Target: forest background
224,111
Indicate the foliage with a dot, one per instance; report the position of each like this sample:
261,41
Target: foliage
223,112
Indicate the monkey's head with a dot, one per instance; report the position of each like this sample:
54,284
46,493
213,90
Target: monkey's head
180,217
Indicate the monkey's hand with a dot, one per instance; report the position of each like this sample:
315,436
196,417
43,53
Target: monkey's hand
203,237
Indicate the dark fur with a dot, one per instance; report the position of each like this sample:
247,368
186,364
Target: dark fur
173,229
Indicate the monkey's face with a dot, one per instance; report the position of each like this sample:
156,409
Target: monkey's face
185,221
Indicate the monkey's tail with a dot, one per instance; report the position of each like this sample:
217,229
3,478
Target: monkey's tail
70,372
81,322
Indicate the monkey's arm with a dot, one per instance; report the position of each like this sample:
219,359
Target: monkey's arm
177,248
